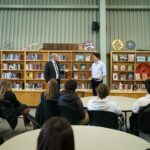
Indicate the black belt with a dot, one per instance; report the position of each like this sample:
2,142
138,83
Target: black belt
96,79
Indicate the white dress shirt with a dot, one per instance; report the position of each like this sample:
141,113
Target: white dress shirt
143,101
104,105
98,70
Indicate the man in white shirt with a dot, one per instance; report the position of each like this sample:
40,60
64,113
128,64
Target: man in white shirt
141,102
98,70
101,102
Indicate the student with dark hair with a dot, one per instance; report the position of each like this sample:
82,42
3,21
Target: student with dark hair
141,102
48,106
102,102
98,70
56,134
69,98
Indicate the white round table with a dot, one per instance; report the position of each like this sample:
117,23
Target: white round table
86,138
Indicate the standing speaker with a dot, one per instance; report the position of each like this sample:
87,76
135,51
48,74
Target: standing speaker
95,26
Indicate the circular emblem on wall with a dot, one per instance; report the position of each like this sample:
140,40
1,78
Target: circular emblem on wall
130,44
117,44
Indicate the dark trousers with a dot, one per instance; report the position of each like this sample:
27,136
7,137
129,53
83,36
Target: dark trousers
95,84
19,111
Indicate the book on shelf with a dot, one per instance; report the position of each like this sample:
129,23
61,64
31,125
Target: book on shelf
143,76
83,76
130,76
115,67
29,75
115,86
130,67
83,67
75,67
137,76
80,57
123,57
122,67
140,58
75,75
122,76
131,57
115,57
87,57
148,58
63,67
139,87
123,86
115,76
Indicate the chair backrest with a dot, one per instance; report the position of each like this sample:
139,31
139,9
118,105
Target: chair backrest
104,119
144,119
70,114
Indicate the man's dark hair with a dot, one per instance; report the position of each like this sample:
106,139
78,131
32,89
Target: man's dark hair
147,85
71,85
96,54
102,90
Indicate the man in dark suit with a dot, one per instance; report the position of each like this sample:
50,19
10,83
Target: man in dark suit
52,69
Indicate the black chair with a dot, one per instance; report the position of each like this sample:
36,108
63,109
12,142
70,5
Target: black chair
104,119
144,119
69,114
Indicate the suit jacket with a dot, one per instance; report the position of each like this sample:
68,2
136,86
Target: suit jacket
49,71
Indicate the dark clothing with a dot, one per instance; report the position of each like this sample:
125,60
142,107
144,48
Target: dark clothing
11,97
8,112
95,84
70,99
49,71
46,110
56,96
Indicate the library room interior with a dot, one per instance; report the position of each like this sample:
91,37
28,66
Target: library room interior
77,69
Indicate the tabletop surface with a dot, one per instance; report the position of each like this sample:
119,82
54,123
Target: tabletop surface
125,103
86,138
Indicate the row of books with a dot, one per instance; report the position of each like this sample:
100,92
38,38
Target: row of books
11,56
17,86
63,57
123,76
122,86
37,75
34,86
82,57
130,57
33,66
11,75
123,67
34,56
81,67
11,66
79,86
130,76
82,76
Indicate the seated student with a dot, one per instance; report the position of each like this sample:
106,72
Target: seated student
52,85
48,108
101,102
56,134
143,101
7,95
69,98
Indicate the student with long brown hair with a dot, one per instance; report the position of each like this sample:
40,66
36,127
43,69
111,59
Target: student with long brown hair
56,134
48,108
6,93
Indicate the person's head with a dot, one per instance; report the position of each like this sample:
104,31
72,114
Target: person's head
5,85
102,91
54,57
71,85
56,134
52,89
147,85
96,56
